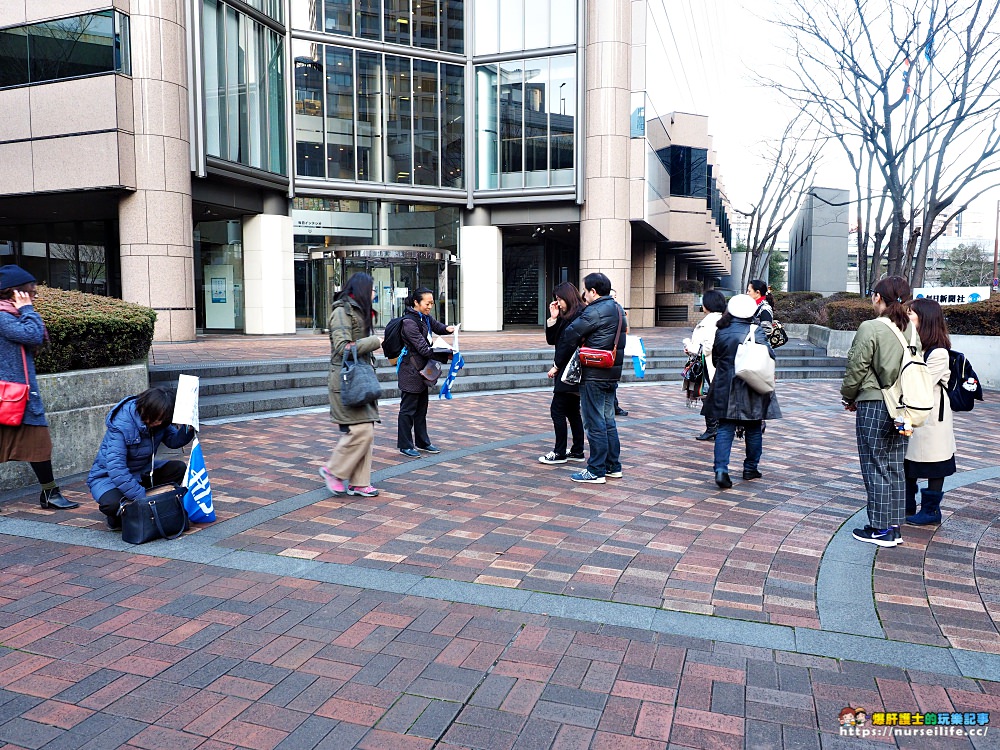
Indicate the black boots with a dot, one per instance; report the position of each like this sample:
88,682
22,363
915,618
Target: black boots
722,479
711,427
53,499
930,509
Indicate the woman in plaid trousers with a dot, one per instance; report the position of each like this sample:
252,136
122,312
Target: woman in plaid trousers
874,359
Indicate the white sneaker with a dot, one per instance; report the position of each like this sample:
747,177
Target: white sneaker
614,474
552,458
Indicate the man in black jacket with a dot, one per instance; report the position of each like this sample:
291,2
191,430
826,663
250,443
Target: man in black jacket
600,326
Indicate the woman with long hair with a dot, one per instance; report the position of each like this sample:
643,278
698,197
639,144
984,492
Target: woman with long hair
566,305
418,325
930,453
873,362
352,326
22,332
713,304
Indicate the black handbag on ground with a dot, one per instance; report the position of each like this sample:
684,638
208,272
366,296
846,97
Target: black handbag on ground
159,515
359,384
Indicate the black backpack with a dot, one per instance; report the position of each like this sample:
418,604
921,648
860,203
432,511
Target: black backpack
964,388
392,340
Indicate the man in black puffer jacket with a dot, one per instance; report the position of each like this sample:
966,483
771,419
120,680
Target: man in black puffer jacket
600,326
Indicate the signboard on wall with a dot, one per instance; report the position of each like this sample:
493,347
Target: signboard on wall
953,295
220,305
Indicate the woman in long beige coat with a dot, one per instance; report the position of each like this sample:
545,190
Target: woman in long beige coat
349,470
930,453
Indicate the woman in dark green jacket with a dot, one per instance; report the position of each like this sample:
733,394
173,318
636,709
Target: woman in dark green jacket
351,325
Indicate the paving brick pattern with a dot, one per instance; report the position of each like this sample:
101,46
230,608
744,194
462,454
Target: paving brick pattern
107,650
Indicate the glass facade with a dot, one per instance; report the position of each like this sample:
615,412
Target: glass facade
688,168
377,117
425,24
73,47
514,25
77,255
244,89
526,123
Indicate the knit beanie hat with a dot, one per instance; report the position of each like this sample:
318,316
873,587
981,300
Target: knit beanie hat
11,276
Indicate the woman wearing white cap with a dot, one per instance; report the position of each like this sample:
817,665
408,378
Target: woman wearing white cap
730,400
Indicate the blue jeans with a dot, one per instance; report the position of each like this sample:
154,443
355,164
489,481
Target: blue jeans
597,405
724,444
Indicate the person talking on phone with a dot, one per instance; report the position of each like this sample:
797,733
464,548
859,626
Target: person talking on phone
418,325
566,306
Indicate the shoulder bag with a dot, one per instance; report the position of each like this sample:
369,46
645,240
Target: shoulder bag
601,358
159,515
778,336
572,373
14,398
359,384
754,364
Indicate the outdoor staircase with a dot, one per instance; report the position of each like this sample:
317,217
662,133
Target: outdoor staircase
244,388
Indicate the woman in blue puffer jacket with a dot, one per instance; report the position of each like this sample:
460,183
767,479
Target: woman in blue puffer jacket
125,466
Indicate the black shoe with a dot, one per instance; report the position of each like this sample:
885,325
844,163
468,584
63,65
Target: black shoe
749,474
54,499
114,522
707,435
882,537
411,452
429,449
621,413
722,479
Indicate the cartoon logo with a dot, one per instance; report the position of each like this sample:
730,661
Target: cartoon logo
852,717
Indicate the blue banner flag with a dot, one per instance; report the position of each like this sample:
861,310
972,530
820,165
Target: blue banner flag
929,44
639,361
457,363
198,500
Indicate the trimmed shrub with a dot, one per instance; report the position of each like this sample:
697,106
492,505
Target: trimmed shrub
88,331
807,307
848,314
975,318
690,286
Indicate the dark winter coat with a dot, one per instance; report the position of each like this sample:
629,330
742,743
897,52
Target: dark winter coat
730,397
347,325
416,328
127,451
595,327
552,334
25,330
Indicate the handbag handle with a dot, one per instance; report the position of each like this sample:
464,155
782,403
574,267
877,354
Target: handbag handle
24,361
159,526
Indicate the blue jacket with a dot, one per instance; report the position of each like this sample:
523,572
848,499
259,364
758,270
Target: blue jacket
127,451
25,330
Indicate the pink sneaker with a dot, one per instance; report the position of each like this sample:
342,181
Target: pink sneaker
335,485
368,491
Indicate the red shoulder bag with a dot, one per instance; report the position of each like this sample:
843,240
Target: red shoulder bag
601,358
14,398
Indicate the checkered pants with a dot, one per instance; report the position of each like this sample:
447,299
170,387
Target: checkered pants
881,450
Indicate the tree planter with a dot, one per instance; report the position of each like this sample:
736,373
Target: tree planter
76,404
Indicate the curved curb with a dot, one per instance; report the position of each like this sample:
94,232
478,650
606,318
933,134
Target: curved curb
845,597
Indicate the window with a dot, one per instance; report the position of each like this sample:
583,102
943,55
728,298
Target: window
74,47
340,113
688,168
512,25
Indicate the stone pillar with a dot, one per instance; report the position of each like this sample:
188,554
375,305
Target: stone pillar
481,278
268,274
155,226
605,230
642,308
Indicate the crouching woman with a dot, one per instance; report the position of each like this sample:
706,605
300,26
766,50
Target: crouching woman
126,464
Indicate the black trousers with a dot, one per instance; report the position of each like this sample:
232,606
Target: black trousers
172,472
413,421
566,408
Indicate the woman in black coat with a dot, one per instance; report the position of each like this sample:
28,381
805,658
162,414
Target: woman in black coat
567,305
730,400
418,325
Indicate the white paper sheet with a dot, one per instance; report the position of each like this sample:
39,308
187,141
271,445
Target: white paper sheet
186,403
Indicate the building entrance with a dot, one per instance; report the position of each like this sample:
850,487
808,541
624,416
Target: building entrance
397,271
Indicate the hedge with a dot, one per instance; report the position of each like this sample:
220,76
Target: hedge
974,319
807,307
88,331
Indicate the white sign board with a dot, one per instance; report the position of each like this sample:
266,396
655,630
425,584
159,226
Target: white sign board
186,401
953,295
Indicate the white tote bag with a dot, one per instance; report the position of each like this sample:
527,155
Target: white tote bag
754,364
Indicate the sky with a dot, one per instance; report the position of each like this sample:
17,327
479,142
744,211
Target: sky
720,44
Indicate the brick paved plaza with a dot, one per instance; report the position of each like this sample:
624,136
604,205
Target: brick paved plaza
485,601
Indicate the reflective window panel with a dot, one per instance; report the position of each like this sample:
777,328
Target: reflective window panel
426,119
399,120
369,119
340,113
453,130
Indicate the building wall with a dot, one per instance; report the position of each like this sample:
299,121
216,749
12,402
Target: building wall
817,246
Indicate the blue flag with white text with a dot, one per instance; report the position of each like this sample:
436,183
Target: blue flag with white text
198,500
457,363
639,361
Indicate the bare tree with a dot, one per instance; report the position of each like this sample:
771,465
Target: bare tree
914,107
967,266
791,162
